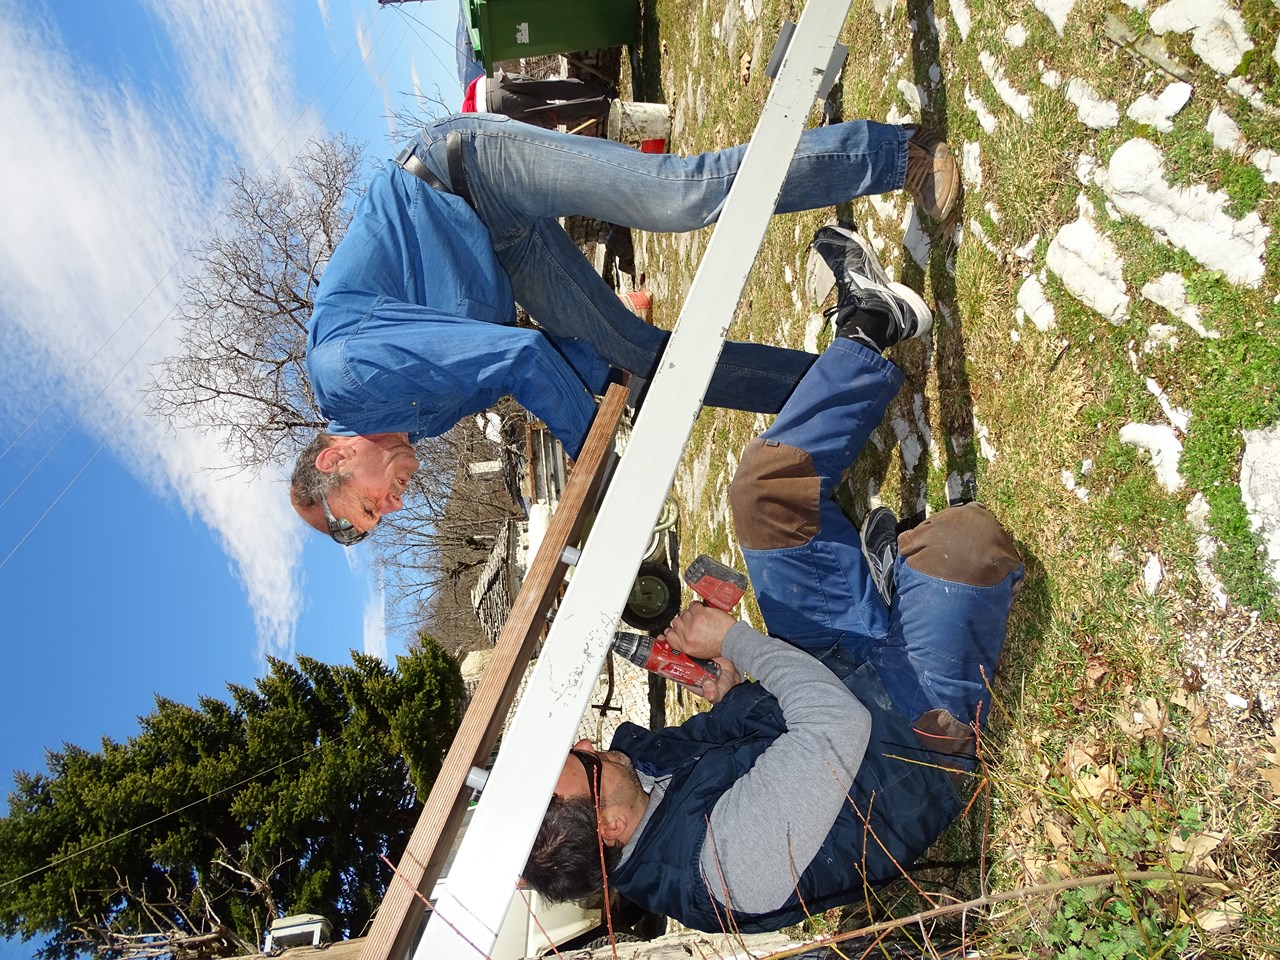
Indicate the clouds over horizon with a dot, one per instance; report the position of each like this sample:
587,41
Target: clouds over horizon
103,195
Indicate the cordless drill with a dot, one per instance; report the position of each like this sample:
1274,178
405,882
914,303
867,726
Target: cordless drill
721,587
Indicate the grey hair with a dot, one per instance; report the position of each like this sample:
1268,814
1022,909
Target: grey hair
308,483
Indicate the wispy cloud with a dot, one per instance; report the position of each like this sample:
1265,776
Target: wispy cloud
375,622
103,191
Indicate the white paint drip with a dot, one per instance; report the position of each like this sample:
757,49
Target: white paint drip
971,165
1180,418
1051,79
1089,266
1056,10
1218,34
1226,135
960,14
1019,103
1091,109
1170,291
986,119
1164,448
980,234
1015,35
908,443
1193,218
1035,305
1159,111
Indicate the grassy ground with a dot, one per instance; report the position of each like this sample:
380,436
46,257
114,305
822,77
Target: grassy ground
1114,746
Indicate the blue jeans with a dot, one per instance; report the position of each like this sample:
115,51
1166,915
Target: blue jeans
936,647
523,177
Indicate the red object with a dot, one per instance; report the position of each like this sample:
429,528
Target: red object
719,585
658,656
469,98
653,146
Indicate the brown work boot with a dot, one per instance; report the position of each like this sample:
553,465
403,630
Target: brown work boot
932,178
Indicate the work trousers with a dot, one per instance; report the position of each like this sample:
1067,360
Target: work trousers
935,647
522,178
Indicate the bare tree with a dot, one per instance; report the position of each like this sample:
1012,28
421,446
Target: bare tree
239,368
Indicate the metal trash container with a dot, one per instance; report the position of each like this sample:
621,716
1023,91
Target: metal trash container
508,29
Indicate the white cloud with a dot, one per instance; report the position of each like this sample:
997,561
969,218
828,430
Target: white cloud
102,195
368,46
375,622
238,77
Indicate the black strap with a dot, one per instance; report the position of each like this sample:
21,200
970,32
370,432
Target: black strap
457,171
409,161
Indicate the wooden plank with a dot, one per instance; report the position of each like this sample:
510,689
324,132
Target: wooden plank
401,912
469,914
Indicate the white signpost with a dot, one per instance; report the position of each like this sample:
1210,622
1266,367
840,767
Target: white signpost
466,920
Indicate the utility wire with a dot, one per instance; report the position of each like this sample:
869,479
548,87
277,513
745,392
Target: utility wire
164,816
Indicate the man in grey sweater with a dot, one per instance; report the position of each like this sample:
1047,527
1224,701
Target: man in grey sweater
840,765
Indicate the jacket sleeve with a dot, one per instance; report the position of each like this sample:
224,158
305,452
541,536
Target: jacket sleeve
768,827
410,360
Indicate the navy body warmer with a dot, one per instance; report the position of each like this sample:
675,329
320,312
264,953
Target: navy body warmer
901,800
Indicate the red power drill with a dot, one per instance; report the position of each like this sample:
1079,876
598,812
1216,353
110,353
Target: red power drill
721,587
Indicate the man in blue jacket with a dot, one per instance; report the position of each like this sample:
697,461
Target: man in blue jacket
840,766
413,326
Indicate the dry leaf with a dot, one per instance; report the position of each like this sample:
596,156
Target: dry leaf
1099,786
1058,837
1221,918
744,68
1197,848
1272,776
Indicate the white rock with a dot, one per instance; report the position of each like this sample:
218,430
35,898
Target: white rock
1086,169
1242,87
1051,79
1164,448
812,327
1177,416
960,14
971,165
1235,701
1086,467
1269,163
1082,494
1170,291
1136,4
915,239
1090,267
985,447
915,97
1158,335
1037,307
1015,35
1028,249
1056,10
1218,37
980,234
1019,103
1193,218
1226,135
1068,479
1159,111
986,119
1152,574
1091,110
1260,488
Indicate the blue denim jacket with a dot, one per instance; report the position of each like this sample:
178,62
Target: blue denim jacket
413,326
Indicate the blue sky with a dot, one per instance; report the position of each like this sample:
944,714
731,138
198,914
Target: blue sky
127,567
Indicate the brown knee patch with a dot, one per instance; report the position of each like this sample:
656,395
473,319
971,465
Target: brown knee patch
962,544
945,737
775,496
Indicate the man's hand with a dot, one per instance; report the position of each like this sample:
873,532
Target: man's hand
699,631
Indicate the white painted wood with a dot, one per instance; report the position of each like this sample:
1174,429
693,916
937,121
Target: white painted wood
502,829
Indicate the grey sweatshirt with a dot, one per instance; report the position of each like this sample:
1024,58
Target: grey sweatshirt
770,824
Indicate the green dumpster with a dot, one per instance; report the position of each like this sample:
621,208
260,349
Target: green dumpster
508,29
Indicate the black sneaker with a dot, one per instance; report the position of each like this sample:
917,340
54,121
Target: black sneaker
870,308
880,548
